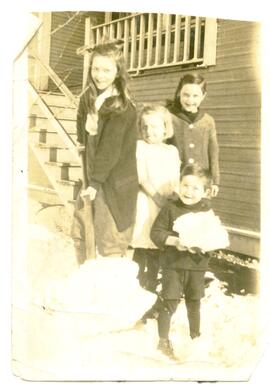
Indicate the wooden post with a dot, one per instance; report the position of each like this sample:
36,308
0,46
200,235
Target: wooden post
41,79
210,41
87,55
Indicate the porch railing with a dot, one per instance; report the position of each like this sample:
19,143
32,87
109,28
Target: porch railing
159,40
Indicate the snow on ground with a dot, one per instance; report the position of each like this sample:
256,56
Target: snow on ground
76,322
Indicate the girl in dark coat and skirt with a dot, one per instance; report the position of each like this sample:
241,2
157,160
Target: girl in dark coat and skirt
106,127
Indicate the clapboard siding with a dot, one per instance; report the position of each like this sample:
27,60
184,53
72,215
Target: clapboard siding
234,100
64,43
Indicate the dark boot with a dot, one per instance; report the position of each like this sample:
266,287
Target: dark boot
165,346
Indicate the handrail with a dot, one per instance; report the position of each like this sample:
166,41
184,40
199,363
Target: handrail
117,20
68,141
58,82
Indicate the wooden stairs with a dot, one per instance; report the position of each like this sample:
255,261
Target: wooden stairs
52,143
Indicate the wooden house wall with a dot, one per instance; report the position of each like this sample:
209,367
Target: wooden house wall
64,43
233,99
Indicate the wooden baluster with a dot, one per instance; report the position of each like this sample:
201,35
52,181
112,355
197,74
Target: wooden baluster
141,41
167,46
112,31
150,39
158,39
119,31
133,42
126,40
197,38
105,34
187,38
98,36
177,38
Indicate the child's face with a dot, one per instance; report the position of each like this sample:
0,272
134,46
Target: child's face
103,71
153,128
191,96
191,189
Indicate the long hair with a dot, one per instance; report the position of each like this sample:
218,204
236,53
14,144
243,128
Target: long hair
189,78
153,108
112,50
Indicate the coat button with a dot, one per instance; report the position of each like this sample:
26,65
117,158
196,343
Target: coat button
191,145
191,160
191,126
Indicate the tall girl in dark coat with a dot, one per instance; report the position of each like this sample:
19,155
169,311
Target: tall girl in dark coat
106,127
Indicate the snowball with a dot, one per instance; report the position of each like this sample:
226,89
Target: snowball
202,230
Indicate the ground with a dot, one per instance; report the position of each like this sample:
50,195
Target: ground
76,323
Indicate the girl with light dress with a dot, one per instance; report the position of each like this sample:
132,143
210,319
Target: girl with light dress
158,167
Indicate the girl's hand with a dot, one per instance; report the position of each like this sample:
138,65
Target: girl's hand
90,191
214,190
80,148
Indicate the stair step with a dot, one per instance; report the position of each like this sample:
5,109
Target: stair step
40,122
44,194
62,113
56,99
69,188
43,136
68,171
57,153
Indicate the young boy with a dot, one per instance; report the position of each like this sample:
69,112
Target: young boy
183,268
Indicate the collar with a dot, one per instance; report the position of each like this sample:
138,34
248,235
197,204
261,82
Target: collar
109,92
186,116
203,205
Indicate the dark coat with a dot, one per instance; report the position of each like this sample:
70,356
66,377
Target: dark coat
111,159
196,141
170,257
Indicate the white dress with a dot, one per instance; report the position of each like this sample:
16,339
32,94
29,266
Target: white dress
159,165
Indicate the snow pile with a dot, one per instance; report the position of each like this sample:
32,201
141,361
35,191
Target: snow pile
106,295
106,286
201,230
102,286
229,329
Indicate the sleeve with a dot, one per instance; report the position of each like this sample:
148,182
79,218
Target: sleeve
110,146
161,228
140,159
80,121
213,152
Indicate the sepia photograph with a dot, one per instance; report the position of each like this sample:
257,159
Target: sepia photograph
136,197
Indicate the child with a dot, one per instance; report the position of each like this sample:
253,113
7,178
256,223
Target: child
107,127
194,130
158,167
183,267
